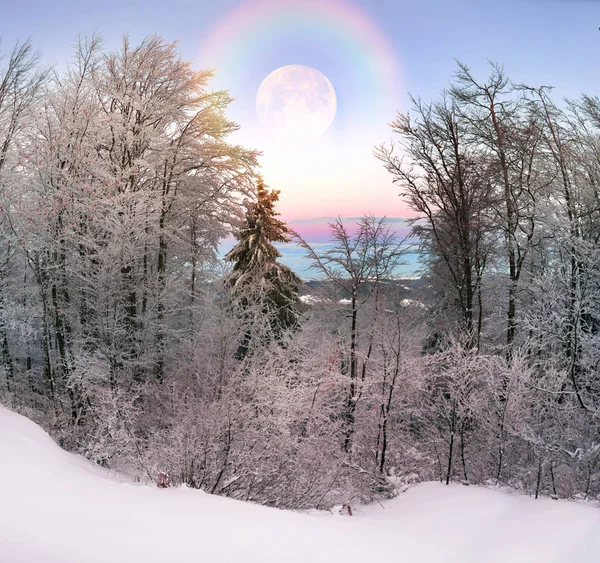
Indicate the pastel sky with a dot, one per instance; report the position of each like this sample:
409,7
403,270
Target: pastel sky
372,51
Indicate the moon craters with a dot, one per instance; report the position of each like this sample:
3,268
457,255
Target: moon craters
296,102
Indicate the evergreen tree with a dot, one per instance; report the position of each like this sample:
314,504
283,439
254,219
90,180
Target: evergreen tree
258,281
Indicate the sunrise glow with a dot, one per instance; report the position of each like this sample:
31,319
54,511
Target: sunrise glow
321,160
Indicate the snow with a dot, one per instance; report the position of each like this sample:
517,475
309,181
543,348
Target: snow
309,299
56,507
412,303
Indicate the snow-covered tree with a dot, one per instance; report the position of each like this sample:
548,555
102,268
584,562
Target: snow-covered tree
442,177
258,281
357,264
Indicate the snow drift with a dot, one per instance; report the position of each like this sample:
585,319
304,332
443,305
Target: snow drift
56,507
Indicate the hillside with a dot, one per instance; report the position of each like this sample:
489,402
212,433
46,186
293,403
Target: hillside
58,508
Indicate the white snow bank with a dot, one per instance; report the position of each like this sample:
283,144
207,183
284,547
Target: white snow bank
56,507
309,299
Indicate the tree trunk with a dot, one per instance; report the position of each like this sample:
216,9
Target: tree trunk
7,360
451,448
352,398
159,365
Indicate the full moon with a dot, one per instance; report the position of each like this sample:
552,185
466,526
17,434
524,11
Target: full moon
296,102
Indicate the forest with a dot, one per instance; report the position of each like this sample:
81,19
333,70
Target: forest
125,335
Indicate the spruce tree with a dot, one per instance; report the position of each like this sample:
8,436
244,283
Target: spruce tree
258,281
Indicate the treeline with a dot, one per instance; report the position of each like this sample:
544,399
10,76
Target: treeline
507,186
125,336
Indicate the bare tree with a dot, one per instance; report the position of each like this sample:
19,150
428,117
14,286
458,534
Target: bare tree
508,137
356,264
20,85
440,175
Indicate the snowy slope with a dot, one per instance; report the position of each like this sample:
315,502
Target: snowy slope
55,507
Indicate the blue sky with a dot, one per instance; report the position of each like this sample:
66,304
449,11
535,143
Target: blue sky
548,42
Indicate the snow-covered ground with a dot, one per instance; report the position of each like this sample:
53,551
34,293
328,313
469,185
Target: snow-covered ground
56,507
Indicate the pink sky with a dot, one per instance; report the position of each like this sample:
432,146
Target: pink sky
317,230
